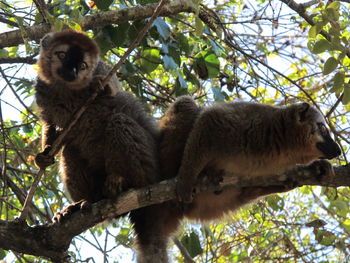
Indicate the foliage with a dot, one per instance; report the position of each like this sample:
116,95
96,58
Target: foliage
258,51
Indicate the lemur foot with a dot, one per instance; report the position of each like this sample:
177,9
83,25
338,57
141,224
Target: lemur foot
43,159
62,215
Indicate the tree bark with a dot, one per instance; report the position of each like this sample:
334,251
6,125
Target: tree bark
36,32
52,240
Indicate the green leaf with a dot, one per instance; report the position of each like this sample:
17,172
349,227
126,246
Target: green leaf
275,202
181,80
218,96
191,77
324,237
118,35
2,253
192,244
135,28
313,31
200,67
103,41
103,4
27,128
183,43
335,5
199,27
169,62
346,97
162,28
321,46
150,60
338,82
4,53
207,64
74,25
76,15
175,54
330,65
213,64
58,25
341,207
180,87
332,14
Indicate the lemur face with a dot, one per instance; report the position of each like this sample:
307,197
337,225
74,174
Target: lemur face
318,134
71,64
69,57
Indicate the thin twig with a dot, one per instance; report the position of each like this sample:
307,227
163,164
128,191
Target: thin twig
300,10
28,60
183,250
15,93
58,142
41,6
135,43
9,22
340,98
54,150
228,39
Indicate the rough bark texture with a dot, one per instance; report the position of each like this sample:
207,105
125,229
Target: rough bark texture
15,37
52,241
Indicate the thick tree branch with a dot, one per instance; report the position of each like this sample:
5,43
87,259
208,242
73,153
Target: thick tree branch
14,38
52,241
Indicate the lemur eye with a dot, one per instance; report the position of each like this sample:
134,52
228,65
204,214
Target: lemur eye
83,66
322,128
60,54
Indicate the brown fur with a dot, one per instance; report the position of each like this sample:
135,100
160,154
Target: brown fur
110,149
246,139
250,139
49,63
113,146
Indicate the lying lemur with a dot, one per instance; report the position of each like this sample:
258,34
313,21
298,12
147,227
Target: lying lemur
242,138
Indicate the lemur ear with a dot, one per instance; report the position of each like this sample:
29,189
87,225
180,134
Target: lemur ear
302,110
45,41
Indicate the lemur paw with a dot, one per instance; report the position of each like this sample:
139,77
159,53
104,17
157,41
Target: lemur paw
324,171
184,191
43,159
62,215
96,85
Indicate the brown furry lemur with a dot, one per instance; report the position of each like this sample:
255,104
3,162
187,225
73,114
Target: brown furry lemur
244,139
113,146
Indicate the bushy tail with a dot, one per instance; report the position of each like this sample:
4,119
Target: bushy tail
153,227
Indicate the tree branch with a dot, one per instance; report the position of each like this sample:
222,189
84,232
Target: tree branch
52,241
14,38
9,22
300,9
28,60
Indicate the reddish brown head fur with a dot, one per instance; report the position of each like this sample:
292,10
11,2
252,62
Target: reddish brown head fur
50,64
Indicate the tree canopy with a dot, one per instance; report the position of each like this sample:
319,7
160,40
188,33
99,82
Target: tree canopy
273,52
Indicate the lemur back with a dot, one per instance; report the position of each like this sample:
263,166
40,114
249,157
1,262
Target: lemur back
246,139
